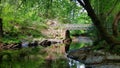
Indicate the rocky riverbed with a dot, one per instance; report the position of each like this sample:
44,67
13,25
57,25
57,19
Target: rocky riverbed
95,59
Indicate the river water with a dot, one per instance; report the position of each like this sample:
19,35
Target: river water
75,64
77,43
49,57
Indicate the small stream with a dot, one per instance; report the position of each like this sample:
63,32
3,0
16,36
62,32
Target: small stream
75,64
76,44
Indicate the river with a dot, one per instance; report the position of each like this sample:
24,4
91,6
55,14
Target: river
53,56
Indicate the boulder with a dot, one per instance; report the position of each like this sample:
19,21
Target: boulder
95,59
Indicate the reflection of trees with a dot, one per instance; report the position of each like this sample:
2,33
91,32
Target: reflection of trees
1,30
67,41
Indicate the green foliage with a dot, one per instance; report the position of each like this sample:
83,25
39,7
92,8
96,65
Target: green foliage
76,32
24,18
77,45
17,54
61,63
106,11
10,40
29,57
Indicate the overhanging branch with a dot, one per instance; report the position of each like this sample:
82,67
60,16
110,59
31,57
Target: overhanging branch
110,39
81,3
111,9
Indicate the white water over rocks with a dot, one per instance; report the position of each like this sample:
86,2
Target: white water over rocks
74,63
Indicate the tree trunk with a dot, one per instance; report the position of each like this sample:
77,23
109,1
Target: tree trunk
115,25
1,28
111,40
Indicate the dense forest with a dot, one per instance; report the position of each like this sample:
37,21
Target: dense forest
33,22
23,18
29,17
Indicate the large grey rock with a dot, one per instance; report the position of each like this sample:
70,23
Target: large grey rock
95,59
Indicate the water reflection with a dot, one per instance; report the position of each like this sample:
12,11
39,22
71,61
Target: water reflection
48,57
67,41
76,44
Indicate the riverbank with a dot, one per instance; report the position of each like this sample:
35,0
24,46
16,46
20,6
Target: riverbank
95,59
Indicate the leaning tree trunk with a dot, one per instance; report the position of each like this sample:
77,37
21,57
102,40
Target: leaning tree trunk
115,25
111,40
1,28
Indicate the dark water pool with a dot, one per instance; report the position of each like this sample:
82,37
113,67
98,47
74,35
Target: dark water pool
49,57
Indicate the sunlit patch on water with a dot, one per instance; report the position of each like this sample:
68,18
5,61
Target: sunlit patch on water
75,64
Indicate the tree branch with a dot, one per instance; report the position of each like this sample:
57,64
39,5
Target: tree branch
110,39
109,12
115,25
81,3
